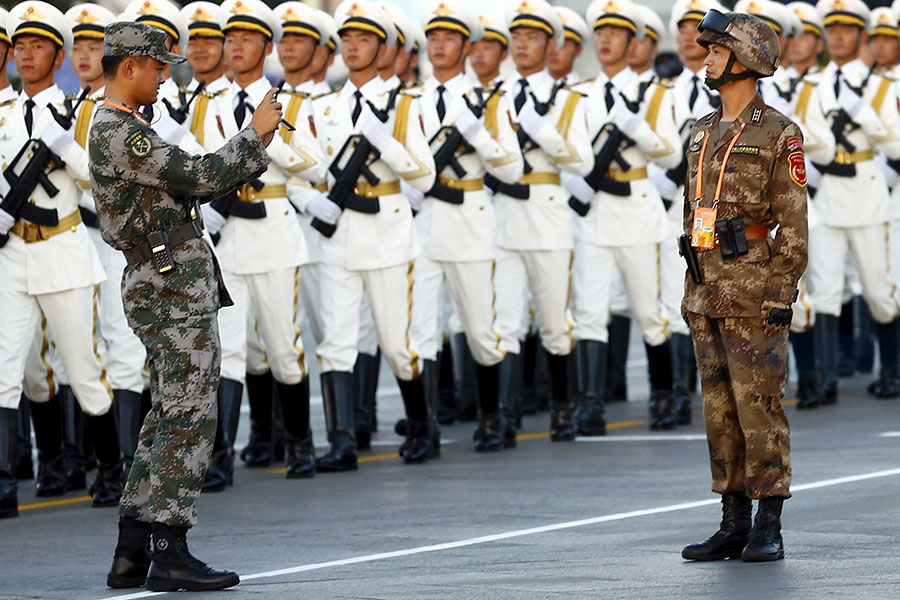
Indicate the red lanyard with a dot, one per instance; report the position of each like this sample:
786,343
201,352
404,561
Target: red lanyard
126,109
698,190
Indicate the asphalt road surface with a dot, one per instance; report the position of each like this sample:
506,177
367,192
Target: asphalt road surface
600,518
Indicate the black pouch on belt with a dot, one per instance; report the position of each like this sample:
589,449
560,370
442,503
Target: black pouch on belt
162,253
725,238
690,258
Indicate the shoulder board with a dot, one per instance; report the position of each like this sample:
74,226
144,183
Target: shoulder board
207,94
410,93
666,83
325,94
8,102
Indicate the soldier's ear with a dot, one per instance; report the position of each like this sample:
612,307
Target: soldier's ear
269,47
58,61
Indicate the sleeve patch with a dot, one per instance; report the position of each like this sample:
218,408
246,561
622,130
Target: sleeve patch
797,167
139,144
794,143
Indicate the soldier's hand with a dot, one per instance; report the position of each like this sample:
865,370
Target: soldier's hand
266,117
778,318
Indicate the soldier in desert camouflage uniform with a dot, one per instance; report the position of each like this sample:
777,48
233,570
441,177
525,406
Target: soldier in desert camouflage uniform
172,290
746,176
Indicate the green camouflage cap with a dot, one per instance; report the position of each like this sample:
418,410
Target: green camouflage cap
136,39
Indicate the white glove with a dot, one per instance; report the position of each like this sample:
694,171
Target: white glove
579,188
414,196
850,101
630,123
59,140
813,175
171,130
666,187
6,222
213,220
379,134
322,208
530,120
468,125
890,175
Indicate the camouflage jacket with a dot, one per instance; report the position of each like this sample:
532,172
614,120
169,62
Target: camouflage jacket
765,184
141,183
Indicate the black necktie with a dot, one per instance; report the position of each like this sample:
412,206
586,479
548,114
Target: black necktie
694,92
358,108
442,110
240,111
609,97
147,111
837,83
29,115
519,102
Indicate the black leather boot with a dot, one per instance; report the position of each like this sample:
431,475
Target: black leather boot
430,375
465,380
804,344
887,387
489,435
509,386
300,452
590,361
107,488
174,568
562,412
662,409
221,468
492,424
527,360
9,491
372,393
338,397
446,408
259,451
846,364
619,330
47,420
127,405
765,543
73,440
865,337
24,461
828,346
279,434
131,560
543,378
419,445
365,365
730,539
684,377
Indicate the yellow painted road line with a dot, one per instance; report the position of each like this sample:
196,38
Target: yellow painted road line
62,502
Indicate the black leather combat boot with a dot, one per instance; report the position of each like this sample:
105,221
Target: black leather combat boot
131,560
301,454
765,543
731,538
338,397
173,567
591,362
562,412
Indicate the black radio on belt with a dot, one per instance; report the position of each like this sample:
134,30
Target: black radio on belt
161,251
732,237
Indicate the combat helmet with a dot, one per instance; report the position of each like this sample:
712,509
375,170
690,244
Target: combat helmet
751,40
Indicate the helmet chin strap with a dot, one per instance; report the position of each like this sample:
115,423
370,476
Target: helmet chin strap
727,75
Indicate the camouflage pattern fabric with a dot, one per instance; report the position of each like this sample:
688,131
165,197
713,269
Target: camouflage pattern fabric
140,184
744,372
138,39
740,359
176,439
753,41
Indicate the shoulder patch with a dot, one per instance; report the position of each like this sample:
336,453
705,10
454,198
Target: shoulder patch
797,167
139,144
8,102
794,143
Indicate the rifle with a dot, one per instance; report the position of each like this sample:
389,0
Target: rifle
180,113
446,154
357,164
678,175
23,178
229,205
841,120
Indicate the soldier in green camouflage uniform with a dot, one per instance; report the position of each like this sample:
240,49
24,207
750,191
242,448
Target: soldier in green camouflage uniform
746,161
143,185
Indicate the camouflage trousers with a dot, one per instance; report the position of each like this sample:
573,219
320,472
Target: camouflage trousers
177,436
744,372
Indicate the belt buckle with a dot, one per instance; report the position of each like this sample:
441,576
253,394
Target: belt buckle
31,233
242,193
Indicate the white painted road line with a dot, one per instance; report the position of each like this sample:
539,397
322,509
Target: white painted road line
521,533
889,434
688,437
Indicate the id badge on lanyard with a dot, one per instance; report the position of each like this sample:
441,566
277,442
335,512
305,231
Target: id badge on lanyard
703,229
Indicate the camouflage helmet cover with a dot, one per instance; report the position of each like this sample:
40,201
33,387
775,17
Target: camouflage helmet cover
753,42
124,39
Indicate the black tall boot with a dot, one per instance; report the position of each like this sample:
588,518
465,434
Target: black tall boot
616,388
828,345
301,454
888,384
865,337
47,420
684,376
107,487
24,461
446,408
366,364
127,405
279,434
174,568
465,379
372,393
419,444
765,543
543,378
338,397
73,440
804,344
9,491
662,409
259,451
489,435
731,538
562,415
527,360
430,376
509,392
590,366
221,468
131,560
847,339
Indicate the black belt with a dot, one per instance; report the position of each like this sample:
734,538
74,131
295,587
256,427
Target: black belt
519,191
362,204
89,217
177,236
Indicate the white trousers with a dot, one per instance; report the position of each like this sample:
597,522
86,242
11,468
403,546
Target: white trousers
547,273
471,284
641,271
72,318
266,303
673,272
390,292
870,249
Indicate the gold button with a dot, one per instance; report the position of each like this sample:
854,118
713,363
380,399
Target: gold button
286,212
481,207
396,210
73,228
550,198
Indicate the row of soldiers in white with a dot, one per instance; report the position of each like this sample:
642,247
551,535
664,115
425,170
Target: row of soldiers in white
497,226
